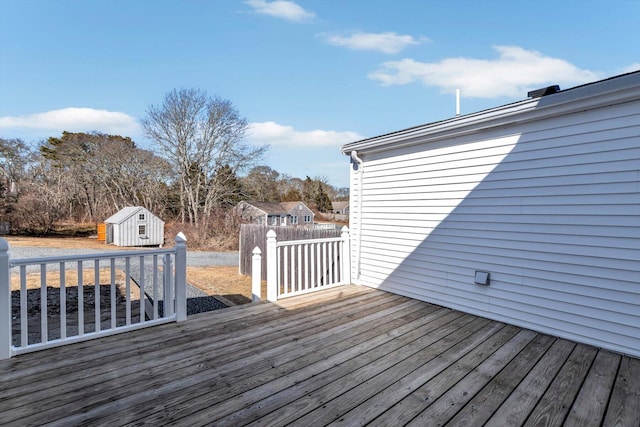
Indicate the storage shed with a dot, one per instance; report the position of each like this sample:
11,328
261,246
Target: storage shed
528,213
134,226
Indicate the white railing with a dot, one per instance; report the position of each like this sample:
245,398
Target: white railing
324,226
47,302
296,267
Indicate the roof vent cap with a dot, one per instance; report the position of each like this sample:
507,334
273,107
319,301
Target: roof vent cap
549,90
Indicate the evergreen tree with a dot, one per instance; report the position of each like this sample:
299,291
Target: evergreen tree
308,193
228,186
321,199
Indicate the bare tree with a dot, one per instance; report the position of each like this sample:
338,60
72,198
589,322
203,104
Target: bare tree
15,155
103,173
262,184
43,199
199,136
132,176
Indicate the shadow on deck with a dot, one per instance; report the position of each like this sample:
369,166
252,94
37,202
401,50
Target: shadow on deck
349,355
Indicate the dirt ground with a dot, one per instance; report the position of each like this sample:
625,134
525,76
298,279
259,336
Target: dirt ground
223,282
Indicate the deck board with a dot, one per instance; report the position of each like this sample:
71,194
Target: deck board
591,403
624,404
378,399
345,356
521,402
556,402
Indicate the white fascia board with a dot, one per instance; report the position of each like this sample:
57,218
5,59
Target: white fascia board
607,92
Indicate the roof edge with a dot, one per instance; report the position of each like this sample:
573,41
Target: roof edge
591,95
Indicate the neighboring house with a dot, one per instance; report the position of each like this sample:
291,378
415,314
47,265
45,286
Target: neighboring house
134,226
340,208
528,213
276,214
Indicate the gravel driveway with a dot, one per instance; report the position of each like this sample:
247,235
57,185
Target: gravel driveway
194,258
197,300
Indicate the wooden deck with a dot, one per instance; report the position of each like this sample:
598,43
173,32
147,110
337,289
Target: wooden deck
346,356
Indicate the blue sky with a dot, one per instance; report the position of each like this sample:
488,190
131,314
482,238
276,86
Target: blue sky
309,76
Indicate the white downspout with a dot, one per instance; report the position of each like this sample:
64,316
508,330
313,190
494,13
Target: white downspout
358,160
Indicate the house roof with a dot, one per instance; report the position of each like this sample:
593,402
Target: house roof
579,98
269,208
275,208
290,205
339,205
124,214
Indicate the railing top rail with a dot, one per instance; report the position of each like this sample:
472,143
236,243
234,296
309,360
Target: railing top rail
15,262
306,241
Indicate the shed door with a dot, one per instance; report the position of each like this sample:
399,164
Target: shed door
109,233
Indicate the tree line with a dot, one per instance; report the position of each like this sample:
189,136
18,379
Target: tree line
199,169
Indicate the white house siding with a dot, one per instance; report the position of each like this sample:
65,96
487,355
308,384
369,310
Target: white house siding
549,206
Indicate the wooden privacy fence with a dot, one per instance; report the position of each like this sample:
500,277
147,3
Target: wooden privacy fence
295,267
47,302
252,235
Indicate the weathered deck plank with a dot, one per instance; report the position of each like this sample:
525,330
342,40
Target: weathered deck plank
269,365
480,408
556,402
516,408
320,402
410,406
591,403
344,356
377,399
178,374
350,365
624,405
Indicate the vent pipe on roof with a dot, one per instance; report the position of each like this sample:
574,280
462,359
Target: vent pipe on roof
457,102
549,90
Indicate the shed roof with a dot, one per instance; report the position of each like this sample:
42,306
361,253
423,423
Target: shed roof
124,214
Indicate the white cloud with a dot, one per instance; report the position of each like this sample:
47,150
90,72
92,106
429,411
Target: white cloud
280,135
284,9
631,68
384,42
515,72
74,120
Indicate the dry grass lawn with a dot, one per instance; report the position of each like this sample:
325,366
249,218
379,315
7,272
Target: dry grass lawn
60,242
225,282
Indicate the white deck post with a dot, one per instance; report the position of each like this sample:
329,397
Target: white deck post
167,286
272,267
256,275
181,277
5,302
240,252
346,256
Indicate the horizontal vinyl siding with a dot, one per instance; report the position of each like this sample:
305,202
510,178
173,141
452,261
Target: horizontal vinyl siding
550,208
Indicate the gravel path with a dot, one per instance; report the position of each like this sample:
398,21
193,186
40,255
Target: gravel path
194,258
197,300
